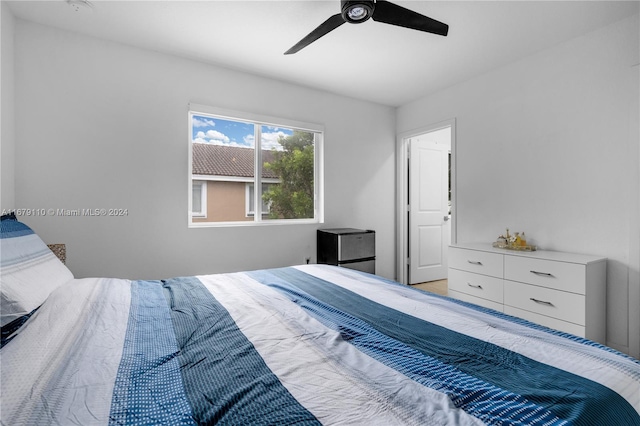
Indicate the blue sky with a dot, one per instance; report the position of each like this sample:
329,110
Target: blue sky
234,133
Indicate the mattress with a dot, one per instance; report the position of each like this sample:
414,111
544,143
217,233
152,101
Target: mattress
309,344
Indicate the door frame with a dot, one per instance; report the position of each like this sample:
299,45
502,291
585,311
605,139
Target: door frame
402,193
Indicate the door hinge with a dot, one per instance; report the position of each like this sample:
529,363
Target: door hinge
408,261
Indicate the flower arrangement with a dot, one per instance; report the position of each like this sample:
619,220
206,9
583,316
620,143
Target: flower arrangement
516,241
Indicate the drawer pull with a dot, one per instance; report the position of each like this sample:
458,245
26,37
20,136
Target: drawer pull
542,302
542,274
475,285
474,262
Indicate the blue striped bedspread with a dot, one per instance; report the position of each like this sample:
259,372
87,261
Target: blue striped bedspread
311,344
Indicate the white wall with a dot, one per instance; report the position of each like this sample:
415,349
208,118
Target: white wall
7,93
103,125
549,146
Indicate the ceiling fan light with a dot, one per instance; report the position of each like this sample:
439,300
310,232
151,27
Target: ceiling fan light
357,11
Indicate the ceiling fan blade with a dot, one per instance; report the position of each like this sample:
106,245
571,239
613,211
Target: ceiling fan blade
327,26
393,14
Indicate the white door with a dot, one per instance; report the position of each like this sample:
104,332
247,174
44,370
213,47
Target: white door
429,225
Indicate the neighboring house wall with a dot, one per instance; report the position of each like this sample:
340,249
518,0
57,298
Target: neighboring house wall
549,145
233,208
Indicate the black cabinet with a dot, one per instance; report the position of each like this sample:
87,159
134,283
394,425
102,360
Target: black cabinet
348,247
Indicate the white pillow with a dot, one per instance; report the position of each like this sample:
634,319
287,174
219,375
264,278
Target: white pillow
29,271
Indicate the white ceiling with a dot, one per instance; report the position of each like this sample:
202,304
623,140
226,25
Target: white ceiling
371,61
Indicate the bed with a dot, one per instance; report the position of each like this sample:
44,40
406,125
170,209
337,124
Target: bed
309,344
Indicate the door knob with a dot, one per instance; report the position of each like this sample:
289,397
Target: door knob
446,218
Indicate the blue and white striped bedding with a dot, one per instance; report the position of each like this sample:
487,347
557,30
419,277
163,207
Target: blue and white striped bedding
313,344
29,272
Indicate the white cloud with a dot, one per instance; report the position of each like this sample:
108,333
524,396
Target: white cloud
212,136
249,140
203,122
270,140
218,136
218,142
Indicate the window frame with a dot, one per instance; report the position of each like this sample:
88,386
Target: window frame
260,120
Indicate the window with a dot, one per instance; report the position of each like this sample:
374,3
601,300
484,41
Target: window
250,200
199,197
232,154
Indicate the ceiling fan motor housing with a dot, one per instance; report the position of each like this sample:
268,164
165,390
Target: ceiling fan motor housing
357,11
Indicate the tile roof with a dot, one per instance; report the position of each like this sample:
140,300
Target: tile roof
222,160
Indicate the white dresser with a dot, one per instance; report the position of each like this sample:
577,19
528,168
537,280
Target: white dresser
564,291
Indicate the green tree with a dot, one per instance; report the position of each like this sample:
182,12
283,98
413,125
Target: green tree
292,198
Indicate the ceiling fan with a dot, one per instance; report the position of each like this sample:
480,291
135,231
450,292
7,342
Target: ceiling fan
358,11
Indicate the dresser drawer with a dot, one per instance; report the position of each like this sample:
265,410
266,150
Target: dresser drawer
546,273
545,301
480,262
567,327
478,285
